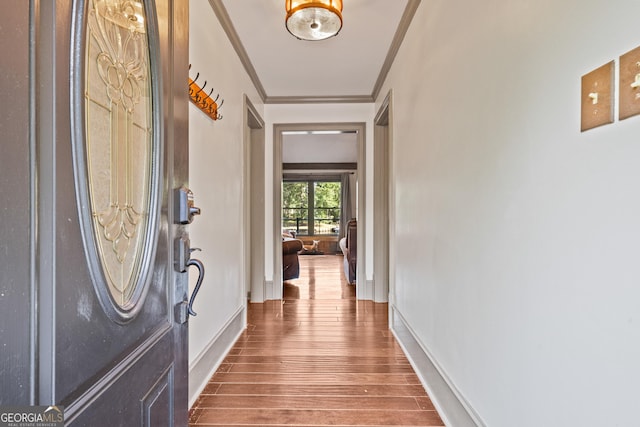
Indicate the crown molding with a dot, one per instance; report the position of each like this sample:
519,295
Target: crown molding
232,34
403,27
346,99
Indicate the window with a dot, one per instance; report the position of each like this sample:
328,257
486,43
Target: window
311,207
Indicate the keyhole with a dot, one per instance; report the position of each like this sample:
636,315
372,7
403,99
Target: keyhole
314,26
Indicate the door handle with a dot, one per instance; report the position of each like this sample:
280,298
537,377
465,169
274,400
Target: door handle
200,266
183,261
184,211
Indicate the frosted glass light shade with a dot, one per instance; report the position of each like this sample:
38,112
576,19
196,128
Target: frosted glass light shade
314,20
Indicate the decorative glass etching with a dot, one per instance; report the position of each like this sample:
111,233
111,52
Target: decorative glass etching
119,139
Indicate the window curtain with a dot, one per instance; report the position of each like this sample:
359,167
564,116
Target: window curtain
345,203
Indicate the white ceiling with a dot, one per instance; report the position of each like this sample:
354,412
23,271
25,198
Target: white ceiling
346,67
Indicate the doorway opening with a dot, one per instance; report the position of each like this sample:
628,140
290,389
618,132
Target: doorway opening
318,188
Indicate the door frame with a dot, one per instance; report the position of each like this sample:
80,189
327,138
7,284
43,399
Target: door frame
383,205
276,291
253,195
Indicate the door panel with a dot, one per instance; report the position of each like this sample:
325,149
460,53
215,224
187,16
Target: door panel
148,398
107,369
16,291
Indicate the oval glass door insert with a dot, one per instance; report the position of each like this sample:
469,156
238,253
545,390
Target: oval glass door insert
120,151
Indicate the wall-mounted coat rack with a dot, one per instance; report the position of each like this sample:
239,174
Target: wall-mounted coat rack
204,101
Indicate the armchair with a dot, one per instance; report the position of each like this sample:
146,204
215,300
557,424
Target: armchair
349,247
290,262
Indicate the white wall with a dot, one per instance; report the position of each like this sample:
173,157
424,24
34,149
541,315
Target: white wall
315,113
517,236
332,148
215,176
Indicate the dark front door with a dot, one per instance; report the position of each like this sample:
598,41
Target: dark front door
110,146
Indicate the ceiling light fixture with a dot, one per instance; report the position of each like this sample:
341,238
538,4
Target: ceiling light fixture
314,19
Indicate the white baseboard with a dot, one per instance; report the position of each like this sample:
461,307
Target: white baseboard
208,361
451,405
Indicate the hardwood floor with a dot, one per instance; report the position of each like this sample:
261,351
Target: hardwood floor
317,358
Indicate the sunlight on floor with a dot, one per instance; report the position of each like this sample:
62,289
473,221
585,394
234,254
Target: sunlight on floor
321,277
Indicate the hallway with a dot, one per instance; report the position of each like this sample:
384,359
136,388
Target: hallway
317,358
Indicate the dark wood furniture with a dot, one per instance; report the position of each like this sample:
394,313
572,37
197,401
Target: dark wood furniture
290,262
352,249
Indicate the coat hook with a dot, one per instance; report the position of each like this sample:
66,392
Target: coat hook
202,88
204,100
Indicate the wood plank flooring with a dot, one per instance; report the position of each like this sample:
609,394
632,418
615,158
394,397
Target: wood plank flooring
317,358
